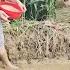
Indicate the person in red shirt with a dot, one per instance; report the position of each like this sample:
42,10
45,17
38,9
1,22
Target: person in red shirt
18,1
4,17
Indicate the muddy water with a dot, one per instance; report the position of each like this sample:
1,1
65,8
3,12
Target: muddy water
47,67
39,66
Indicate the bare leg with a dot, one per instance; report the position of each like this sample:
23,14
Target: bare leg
4,58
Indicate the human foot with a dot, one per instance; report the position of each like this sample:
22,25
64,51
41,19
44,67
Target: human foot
12,67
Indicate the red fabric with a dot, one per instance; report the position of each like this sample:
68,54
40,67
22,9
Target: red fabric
8,1
13,1
12,15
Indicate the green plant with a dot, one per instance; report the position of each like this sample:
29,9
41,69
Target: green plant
51,8
40,9
16,22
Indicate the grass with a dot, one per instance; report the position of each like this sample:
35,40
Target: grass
63,15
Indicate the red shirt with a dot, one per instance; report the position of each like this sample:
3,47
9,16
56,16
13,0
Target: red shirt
11,0
8,0
14,15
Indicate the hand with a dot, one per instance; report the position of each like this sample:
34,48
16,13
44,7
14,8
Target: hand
21,5
24,8
3,16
